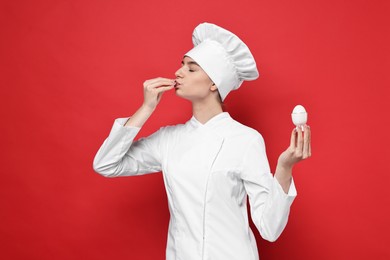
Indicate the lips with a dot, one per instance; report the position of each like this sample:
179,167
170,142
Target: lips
177,84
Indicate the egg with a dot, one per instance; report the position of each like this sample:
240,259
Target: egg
299,115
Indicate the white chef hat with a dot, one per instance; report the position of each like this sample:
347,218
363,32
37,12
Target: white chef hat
223,56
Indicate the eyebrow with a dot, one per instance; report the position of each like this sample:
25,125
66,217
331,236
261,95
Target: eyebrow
190,63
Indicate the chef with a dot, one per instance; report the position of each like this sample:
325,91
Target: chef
211,163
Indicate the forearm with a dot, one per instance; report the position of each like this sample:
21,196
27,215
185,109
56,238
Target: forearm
140,116
284,176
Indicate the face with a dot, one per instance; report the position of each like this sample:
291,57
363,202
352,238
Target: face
192,82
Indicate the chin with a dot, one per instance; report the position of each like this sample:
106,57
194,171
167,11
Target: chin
180,94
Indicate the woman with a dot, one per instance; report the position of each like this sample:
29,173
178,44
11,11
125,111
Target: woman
211,163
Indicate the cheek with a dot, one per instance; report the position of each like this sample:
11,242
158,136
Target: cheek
203,80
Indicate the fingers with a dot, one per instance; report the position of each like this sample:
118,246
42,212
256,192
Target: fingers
158,82
301,142
150,81
299,147
293,139
160,91
306,153
154,88
163,89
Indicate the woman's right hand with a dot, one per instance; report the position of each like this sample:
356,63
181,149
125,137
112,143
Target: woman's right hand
153,90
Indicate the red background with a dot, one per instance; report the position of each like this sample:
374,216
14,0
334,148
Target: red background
69,68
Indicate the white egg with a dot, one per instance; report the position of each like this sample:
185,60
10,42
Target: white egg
299,115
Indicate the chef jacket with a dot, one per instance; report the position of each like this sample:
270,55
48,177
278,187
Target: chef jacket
208,171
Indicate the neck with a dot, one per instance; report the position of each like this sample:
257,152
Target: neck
204,111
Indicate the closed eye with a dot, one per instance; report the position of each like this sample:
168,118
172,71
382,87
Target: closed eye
190,65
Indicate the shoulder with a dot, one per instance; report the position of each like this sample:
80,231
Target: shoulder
248,133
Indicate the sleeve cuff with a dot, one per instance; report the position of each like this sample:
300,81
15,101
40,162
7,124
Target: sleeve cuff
119,128
123,121
292,192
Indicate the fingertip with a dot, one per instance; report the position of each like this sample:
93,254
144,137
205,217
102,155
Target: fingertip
294,132
308,130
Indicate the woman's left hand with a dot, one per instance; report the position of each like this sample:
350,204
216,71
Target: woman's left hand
299,149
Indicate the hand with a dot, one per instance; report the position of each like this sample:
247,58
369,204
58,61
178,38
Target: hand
299,149
153,90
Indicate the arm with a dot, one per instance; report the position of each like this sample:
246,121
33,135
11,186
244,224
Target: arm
269,204
299,149
119,155
271,196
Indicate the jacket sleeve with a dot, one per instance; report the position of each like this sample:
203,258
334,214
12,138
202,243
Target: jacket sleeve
120,155
270,205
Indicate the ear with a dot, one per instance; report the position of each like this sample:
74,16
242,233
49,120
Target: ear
213,87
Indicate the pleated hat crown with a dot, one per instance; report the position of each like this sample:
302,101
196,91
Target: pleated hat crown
225,58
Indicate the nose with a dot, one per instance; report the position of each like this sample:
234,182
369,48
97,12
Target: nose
179,73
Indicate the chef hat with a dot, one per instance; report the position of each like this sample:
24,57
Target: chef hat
223,56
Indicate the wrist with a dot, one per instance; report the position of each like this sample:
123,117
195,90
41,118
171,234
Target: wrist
140,116
285,166
147,108
284,171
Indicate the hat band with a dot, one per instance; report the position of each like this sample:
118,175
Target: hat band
214,60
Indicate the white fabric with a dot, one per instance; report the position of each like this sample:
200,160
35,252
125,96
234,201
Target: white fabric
224,57
208,170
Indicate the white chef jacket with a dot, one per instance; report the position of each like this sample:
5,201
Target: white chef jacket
208,170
